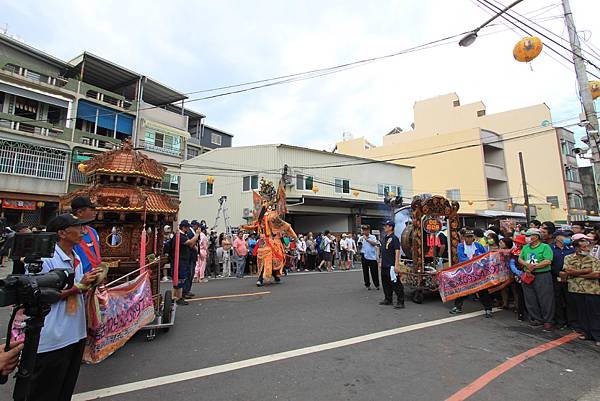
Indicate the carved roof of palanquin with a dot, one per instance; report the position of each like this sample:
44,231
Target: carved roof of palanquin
125,198
125,161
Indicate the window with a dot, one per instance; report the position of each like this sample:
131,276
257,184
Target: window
192,152
566,148
453,194
480,113
215,139
342,186
170,182
456,103
205,189
250,182
32,161
571,174
553,200
304,183
575,201
162,142
384,190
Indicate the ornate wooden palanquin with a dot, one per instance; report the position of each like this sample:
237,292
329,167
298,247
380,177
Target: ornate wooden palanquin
125,186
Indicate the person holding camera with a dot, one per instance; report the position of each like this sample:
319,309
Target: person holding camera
62,338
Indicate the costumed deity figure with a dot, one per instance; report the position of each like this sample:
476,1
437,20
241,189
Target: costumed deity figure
269,206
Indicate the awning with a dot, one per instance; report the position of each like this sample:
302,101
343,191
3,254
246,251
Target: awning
498,213
18,90
166,129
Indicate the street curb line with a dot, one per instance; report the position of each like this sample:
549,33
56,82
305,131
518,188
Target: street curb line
504,367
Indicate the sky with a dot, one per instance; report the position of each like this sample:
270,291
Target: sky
197,45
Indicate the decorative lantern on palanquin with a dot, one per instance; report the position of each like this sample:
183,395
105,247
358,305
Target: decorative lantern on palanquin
124,184
527,49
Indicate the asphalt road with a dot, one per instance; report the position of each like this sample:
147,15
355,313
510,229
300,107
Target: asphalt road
425,363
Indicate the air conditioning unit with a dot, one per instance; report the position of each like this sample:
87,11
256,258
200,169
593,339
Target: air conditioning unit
247,213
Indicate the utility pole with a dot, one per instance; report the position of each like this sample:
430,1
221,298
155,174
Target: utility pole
585,94
525,193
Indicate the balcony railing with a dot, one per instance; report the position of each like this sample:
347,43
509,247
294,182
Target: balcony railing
167,151
495,172
27,125
97,141
104,96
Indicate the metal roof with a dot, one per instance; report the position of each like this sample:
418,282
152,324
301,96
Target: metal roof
105,74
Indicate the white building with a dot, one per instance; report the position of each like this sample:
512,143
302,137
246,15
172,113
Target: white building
325,190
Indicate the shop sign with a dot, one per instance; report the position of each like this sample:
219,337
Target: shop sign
18,204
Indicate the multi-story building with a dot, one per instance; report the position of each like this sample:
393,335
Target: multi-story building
461,152
203,138
56,114
324,190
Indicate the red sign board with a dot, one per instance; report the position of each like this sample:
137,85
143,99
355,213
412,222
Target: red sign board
432,225
18,204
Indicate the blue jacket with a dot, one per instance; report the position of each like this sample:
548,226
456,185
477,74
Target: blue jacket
462,256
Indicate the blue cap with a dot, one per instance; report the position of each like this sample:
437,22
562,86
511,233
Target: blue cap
389,223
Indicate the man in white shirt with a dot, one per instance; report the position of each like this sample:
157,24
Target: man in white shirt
63,336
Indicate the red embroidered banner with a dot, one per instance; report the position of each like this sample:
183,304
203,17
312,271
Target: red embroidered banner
486,271
115,315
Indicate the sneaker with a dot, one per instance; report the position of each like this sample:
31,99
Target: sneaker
277,280
548,327
521,318
205,280
259,283
369,288
455,311
188,296
399,305
377,288
384,302
182,301
488,314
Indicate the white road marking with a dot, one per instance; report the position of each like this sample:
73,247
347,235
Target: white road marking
228,367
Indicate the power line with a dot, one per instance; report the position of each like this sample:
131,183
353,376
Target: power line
507,15
544,131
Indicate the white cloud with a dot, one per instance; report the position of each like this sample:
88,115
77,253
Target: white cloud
198,45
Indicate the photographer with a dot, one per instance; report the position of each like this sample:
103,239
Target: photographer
9,359
63,336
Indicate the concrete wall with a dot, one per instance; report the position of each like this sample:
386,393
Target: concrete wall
166,117
439,172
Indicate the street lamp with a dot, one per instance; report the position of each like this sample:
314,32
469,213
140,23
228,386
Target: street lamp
470,37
